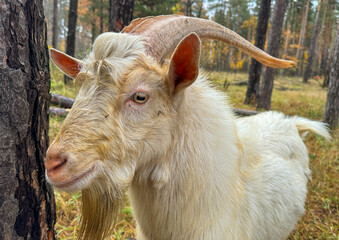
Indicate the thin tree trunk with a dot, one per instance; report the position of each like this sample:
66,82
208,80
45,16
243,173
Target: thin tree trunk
93,31
324,54
311,50
273,46
328,68
101,16
255,68
188,7
303,31
72,23
200,7
120,14
287,39
27,207
331,115
288,28
55,24
320,38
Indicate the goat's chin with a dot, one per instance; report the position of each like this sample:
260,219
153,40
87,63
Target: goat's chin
78,181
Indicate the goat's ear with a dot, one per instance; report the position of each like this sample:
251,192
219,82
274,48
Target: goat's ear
67,64
184,65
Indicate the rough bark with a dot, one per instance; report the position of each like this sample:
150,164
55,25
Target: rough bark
273,46
72,23
27,207
311,50
55,24
120,14
255,68
331,115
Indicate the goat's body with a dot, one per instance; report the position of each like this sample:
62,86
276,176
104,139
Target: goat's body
225,178
193,169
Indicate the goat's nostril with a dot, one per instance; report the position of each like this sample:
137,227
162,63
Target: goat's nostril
54,162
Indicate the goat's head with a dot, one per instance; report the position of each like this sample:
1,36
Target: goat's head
125,110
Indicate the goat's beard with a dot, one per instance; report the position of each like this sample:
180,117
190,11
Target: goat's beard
101,204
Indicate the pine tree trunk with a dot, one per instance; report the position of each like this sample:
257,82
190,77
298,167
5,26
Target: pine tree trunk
27,207
120,14
188,7
72,23
303,32
101,16
331,115
273,46
311,50
288,29
255,68
93,23
324,54
55,24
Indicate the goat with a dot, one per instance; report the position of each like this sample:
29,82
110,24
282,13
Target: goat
145,122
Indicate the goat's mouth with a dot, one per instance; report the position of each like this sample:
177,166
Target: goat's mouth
77,182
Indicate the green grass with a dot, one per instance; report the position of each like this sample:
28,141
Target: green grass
57,83
308,100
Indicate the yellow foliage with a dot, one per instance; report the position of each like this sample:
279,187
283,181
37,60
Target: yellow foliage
305,55
62,45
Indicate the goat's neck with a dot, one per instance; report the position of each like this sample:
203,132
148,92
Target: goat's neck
201,168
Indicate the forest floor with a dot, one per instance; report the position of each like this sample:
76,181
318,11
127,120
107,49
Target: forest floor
290,96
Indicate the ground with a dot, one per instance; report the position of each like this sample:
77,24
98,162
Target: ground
291,97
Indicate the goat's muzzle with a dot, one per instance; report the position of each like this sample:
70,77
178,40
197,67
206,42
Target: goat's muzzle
55,163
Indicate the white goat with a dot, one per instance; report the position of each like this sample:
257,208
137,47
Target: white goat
151,126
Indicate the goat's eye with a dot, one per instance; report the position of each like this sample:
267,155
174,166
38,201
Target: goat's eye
140,97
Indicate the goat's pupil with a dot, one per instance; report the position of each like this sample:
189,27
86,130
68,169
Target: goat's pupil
141,98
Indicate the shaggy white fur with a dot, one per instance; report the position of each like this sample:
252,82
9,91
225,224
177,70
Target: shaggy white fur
192,169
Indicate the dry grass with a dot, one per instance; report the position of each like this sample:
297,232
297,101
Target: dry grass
321,217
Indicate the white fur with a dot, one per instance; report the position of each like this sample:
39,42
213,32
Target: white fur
228,178
193,169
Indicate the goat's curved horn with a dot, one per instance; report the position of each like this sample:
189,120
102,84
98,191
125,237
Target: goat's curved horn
163,33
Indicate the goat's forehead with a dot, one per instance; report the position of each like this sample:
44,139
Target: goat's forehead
144,75
140,75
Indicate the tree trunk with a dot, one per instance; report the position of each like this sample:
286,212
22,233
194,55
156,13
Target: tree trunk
331,115
188,7
27,207
93,22
288,29
72,23
324,54
101,16
300,50
328,67
273,46
255,68
311,50
120,14
55,24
